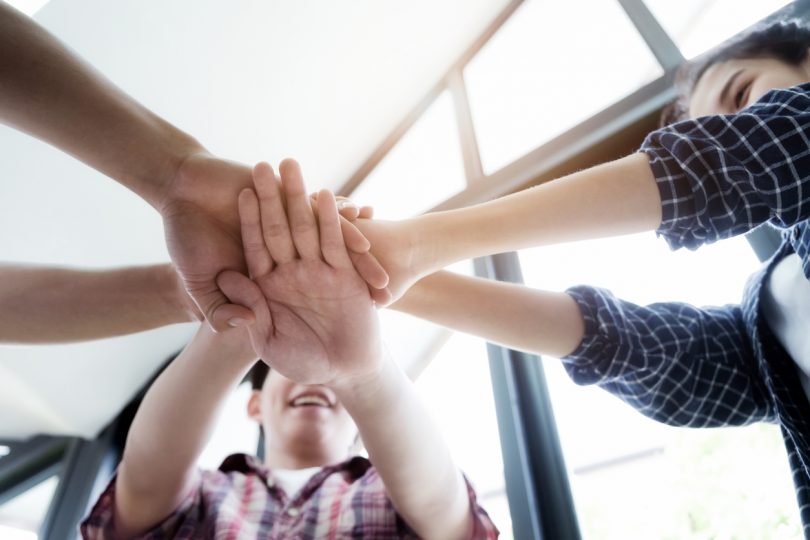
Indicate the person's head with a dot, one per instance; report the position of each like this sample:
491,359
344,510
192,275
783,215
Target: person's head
303,425
735,74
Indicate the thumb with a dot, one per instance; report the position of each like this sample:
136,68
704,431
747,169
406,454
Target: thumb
241,290
217,309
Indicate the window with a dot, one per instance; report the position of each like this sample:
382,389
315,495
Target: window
551,66
22,516
423,169
632,477
698,25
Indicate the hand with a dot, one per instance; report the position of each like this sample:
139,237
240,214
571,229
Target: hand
202,234
394,244
315,321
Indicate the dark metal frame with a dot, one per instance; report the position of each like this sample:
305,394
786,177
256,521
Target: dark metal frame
83,466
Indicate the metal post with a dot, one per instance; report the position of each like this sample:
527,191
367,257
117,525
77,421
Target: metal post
87,467
540,500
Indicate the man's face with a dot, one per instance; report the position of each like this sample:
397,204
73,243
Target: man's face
730,86
302,418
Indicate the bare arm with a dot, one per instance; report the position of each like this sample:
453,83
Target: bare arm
41,304
616,198
409,453
48,91
51,93
517,316
172,426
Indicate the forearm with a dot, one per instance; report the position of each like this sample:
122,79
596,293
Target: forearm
44,304
173,424
519,317
616,198
50,93
420,477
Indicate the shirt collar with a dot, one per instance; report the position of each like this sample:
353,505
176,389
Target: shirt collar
353,468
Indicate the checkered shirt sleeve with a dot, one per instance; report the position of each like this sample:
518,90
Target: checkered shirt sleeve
719,176
675,363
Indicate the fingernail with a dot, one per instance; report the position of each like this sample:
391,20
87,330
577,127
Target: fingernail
237,322
344,204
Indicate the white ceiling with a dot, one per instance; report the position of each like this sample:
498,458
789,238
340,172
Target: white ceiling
319,80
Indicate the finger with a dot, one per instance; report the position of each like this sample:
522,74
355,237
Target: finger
303,227
239,288
366,212
234,315
275,229
347,208
381,297
333,247
257,257
370,269
214,305
354,239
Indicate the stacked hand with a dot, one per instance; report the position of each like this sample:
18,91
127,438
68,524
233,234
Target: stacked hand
315,321
203,235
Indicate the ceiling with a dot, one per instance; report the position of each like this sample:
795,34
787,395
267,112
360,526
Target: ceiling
319,80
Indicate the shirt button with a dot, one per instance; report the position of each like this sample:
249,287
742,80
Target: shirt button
293,512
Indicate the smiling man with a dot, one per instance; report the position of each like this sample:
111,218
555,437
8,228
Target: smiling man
317,327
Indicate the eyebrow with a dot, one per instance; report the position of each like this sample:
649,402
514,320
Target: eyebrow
727,86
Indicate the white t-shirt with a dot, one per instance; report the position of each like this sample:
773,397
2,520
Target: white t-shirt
786,306
292,480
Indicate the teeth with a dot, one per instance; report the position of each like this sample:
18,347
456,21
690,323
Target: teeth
310,400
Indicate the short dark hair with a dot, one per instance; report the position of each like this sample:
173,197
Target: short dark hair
258,373
785,40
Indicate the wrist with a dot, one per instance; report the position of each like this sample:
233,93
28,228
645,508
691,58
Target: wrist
427,243
370,387
179,303
155,180
230,350
177,168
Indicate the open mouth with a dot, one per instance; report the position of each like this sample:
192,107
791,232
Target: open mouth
311,400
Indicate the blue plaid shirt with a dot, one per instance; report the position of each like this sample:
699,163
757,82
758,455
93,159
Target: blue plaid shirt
718,176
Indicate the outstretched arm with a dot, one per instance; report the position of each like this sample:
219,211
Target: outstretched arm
516,316
634,352
316,324
172,426
616,198
52,94
40,304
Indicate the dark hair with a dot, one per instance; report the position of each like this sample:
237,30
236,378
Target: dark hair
786,40
258,373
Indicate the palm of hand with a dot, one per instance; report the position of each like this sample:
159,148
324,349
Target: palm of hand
314,309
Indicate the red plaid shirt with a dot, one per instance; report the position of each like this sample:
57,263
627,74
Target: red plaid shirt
242,500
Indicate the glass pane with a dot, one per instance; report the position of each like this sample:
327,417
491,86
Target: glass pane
456,388
635,478
21,517
422,170
698,25
552,65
